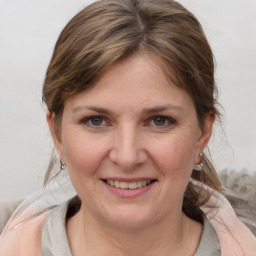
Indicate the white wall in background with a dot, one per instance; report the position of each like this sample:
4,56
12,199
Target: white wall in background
28,31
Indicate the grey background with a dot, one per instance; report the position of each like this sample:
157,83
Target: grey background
28,31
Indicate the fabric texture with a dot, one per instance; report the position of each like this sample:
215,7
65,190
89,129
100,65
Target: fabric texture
54,239
209,244
6,210
234,237
240,189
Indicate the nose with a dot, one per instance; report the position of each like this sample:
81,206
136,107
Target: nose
127,150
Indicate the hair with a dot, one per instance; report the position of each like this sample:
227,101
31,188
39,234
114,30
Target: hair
108,31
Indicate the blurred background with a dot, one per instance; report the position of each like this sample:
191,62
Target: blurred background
28,31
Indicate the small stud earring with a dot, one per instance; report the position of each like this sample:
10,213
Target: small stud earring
62,166
199,166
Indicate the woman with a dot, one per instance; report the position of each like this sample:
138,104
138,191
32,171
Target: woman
131,104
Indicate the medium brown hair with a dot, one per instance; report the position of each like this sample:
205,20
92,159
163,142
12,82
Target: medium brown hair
110,30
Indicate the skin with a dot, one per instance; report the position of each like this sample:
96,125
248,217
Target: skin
126,140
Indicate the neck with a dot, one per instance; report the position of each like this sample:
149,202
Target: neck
89,235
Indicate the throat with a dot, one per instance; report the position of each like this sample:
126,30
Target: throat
87,236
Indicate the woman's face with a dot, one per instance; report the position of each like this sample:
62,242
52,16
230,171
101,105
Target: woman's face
130,143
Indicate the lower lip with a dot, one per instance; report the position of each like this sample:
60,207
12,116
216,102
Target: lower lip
129,193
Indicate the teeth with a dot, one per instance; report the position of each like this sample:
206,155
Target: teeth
124,184
128,185
139,184
116,183
132,185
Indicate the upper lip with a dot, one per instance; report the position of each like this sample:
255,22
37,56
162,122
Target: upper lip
129,179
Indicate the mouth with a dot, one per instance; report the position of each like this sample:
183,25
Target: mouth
131,185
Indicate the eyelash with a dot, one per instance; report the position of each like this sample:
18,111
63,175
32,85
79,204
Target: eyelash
170,121
86,121
90,118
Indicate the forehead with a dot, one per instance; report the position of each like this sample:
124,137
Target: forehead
135,82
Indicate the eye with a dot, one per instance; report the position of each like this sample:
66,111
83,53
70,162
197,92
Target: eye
161,121
94,121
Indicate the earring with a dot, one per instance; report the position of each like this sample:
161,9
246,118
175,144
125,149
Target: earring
62,166
199,166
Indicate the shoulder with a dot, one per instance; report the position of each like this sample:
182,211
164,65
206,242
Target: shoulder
209,243
7,208
240,189
54,236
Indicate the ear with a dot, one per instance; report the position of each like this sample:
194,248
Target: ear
205,135
55,137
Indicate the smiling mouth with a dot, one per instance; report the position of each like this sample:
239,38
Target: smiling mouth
129,185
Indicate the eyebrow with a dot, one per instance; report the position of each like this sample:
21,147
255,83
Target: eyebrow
94,108
155,109
163,108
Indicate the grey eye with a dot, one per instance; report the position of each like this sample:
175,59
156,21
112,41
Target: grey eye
96,121
159,121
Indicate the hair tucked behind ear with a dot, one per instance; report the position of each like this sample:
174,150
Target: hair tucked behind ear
108,31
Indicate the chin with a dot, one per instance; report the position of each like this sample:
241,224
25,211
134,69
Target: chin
129,217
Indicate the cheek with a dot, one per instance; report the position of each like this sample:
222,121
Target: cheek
83,157
175,156
83,154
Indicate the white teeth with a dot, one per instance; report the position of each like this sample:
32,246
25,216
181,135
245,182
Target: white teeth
139,184
132,185
128,185
124,184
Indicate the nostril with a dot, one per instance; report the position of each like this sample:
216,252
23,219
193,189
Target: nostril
127,154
